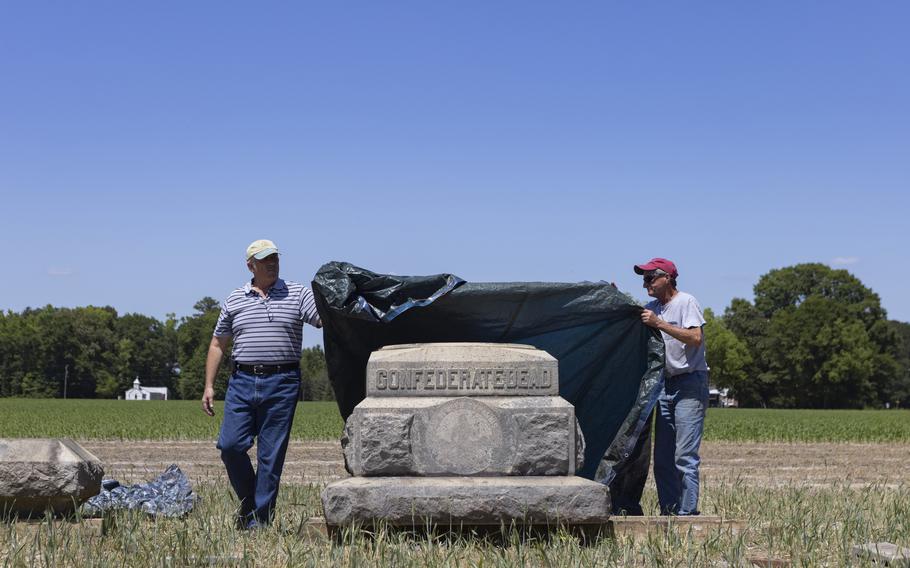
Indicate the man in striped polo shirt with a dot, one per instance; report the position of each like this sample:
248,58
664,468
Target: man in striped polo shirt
265,318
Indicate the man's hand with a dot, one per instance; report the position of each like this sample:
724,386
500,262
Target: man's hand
217,348
650,319
208,399
690,336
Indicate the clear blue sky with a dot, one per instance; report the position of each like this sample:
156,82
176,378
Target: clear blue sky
142,147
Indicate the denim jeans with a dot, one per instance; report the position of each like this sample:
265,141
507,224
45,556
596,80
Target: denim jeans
678,430
260,407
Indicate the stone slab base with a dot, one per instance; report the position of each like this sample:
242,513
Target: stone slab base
415,501
316,530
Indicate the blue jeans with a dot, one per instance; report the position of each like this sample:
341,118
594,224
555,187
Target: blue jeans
260,407
678,430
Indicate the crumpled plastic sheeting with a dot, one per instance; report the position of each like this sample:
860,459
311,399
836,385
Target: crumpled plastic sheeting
609,362
170,495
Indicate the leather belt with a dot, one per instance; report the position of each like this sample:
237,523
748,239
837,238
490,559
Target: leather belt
257,369
681,375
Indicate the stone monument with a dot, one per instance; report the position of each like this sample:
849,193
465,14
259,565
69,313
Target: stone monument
463,434
37,475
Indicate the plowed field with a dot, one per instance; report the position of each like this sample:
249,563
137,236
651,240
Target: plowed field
763,464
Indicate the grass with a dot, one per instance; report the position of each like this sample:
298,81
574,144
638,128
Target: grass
143,420
808,526
183,420
763,425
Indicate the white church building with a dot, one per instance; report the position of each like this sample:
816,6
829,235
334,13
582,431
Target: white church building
139,392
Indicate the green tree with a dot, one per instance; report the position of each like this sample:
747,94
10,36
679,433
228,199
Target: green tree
12,351
193,338
206,305
900,393
34,385
729,357
818,338
57,351
793,285
83,352
314,375
107,385
820,357
751,328
147,348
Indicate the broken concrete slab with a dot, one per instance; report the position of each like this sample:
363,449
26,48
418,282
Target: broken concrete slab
37,475
883,553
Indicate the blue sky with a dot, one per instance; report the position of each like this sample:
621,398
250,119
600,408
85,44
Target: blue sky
143,146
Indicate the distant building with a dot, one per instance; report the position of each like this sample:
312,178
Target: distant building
720,398
146,393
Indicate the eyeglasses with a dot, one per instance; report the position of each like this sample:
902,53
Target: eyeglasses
648,278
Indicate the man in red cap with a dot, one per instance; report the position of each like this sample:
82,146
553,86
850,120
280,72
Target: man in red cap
680,415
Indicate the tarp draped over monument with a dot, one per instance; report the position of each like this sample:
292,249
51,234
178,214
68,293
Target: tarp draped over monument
609,362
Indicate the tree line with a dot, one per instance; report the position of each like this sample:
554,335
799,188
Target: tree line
93,352
814,337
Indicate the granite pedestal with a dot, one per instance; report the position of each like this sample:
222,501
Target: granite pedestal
463,433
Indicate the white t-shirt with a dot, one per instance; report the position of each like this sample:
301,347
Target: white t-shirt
682,311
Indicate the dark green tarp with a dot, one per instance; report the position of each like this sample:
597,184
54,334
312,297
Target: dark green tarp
609,362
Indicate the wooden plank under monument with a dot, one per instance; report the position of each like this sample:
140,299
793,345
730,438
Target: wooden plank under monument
87,527
697,526
314,529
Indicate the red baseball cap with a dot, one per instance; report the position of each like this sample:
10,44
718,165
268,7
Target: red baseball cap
657,264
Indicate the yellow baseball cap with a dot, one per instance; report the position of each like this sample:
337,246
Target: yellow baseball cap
261,249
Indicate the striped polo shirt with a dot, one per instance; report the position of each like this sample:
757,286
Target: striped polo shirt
267,330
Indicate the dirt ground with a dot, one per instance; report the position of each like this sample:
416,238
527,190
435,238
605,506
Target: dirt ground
769,464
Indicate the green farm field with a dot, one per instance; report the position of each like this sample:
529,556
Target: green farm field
143,420
183,420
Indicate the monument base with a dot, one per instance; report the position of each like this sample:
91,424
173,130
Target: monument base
416,501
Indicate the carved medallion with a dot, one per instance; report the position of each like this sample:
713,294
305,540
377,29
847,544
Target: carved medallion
463,435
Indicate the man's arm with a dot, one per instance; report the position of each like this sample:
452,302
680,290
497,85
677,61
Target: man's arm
308,308
691,336
217,348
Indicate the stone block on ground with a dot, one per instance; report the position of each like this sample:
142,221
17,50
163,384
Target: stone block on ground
410,501
37,475
883,553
